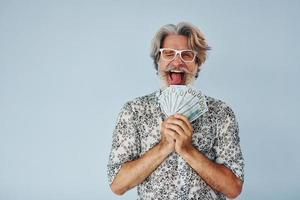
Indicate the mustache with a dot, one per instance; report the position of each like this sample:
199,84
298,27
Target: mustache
171,68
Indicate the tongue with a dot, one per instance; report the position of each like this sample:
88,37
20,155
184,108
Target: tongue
176,78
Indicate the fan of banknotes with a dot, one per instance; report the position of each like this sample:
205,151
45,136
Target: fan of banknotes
184,100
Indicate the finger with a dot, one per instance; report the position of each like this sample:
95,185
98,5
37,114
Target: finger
172,134
170,118
180,123
176,128
185,119
167,120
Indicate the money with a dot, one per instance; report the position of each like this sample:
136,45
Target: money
184,100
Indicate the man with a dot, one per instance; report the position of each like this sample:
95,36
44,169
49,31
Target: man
170,157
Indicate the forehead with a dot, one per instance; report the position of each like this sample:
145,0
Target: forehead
175,42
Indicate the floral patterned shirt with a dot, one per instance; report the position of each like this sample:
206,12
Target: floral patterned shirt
138,130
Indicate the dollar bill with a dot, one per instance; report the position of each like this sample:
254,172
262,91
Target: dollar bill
184,100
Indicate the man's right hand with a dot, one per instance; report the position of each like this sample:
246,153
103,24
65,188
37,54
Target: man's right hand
167,143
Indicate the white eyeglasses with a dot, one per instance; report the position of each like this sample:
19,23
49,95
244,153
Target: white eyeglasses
186,55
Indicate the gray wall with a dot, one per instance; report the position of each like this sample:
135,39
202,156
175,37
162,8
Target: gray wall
67,67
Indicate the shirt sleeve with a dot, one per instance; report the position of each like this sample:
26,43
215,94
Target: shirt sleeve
228,150
125,145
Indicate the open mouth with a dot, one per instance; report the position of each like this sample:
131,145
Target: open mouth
176,77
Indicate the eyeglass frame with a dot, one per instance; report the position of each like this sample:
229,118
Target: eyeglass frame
178,52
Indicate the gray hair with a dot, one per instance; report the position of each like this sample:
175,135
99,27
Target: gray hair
196,41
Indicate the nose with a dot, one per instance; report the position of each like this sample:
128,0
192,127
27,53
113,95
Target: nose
177,60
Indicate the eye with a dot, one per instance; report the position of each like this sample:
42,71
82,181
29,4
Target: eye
187,55
168,52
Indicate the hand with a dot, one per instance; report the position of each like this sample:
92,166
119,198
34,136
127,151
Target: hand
179,129
167,141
